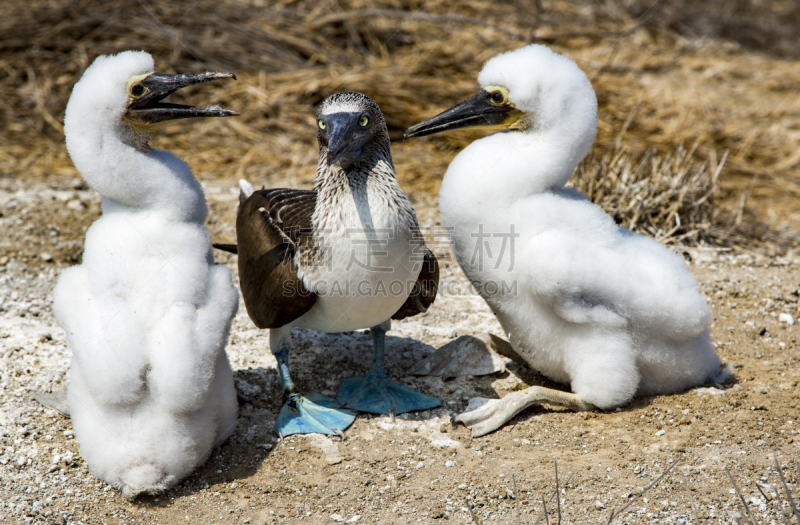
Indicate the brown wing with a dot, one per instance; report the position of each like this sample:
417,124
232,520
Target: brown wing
424,292
291,210
270,225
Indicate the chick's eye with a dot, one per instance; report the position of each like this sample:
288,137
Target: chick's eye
363,121
321,124
497,97
137,90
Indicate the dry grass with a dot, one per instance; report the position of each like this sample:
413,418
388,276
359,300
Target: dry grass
788,504
659,84
673,199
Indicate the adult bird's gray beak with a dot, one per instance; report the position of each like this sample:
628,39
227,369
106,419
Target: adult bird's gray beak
477,111
147,91
346,138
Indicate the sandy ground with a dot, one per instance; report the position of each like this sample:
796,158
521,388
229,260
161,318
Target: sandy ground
418,468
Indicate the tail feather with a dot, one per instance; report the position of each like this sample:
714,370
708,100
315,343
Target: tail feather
231,248
725,372
245,190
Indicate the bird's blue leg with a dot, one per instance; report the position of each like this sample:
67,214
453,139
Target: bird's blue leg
310,413
375,393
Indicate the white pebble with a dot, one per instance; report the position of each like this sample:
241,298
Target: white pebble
661,432
786,318
449,464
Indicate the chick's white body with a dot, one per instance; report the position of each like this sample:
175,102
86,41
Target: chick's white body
147,313
585,302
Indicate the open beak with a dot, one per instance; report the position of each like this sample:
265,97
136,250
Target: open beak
148,92
476,111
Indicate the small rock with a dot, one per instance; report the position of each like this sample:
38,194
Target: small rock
337,517
661,432
786,318
449,464
46,257
355,518
463,486
525,441
599,504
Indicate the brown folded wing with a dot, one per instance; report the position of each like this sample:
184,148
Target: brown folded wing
270,226
424,291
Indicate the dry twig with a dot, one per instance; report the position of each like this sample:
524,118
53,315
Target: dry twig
472,513
694,507
741,497
620,511
786,486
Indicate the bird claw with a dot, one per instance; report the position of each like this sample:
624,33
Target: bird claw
490,415
487,415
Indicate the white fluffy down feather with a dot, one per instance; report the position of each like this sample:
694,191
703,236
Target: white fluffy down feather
147,313
612,313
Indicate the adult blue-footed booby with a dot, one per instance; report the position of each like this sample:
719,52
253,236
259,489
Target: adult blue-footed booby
147,313
343,256
610,312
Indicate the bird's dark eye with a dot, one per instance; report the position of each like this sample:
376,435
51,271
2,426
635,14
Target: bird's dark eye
363,121
497,97
137,90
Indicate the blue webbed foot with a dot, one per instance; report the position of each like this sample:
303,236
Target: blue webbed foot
312,413
380,395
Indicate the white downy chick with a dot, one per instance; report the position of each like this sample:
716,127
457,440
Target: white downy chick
609,312
147,313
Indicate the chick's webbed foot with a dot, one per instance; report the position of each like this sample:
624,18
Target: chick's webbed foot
57,400
312,413
494,413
